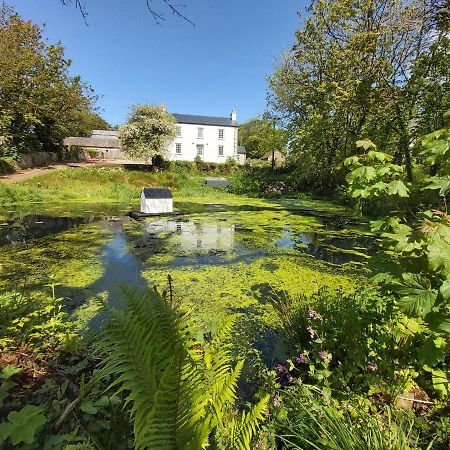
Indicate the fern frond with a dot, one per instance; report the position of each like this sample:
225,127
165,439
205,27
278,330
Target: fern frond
244,429
177,392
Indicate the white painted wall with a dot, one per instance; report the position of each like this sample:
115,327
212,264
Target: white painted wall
156,205
189,140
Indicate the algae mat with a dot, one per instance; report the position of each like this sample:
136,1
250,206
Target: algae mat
226,258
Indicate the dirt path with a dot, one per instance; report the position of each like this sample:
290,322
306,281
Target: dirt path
30,173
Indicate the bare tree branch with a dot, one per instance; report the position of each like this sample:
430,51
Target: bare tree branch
158,16
78,5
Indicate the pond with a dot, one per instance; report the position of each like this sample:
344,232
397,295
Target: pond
223,258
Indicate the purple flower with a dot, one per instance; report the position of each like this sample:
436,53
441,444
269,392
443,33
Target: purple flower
323,355
280,368
275,402
311,331
314,314
260,444
372,367
301,358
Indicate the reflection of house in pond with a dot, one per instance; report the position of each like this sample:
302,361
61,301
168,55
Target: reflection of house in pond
195,237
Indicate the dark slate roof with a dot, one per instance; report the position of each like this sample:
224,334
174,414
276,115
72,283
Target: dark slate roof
217,182
157,193
205,120
241,150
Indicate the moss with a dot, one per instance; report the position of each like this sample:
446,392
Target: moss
70,258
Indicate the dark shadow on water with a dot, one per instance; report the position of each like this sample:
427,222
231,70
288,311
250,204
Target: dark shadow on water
121,268
36,226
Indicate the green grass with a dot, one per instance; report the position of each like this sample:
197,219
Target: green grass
101,185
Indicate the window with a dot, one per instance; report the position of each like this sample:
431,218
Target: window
200,150
200,133
178,130
220,150
178,149
221,133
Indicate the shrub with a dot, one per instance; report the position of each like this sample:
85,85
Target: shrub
351,341
308,421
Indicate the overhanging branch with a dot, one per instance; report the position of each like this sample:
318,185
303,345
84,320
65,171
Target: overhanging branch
158,16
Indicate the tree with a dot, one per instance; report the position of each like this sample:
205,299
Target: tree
148,130
348,77
259,136
40,103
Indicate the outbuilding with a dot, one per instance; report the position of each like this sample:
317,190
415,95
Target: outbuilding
156,201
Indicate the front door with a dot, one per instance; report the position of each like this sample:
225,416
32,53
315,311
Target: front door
200,150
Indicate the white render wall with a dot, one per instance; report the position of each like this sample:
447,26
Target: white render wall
189,140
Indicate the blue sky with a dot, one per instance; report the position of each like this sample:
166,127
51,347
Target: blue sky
127,58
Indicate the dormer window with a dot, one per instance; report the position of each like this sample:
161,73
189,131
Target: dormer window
200,133
221,131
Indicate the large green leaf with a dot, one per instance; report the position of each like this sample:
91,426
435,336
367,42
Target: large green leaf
22,425
416,294
379,156
397,187
364,173
432,352
439,183
439,256
438,322
365,144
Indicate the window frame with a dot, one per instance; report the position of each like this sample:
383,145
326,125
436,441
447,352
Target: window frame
178,131
200,132
221,133
221,147
202,147
178,146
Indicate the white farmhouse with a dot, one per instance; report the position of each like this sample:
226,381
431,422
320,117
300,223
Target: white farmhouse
213,139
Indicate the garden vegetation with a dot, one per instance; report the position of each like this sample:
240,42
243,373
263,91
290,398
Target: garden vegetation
363,94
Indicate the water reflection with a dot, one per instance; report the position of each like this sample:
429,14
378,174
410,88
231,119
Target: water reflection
37,226
192,237
214,240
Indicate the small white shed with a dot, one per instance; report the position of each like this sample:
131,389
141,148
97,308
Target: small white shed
156,201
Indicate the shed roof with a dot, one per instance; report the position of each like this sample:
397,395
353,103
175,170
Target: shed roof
241,150
157,193
205,120
216,182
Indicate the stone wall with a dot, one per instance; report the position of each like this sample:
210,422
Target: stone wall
37,159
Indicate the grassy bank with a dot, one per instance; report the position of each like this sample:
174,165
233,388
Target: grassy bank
99,185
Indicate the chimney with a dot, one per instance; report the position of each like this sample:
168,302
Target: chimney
233,115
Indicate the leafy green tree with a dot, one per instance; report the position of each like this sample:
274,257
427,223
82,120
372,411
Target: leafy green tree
40,103
259,136
348,76
148,130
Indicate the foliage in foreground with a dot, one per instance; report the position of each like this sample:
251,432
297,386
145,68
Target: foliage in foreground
320,424
181,392
175,391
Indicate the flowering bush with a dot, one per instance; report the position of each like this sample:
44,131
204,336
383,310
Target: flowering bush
148,130
351,341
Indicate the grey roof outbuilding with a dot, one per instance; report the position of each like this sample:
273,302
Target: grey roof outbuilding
241,150
157,193
205,120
